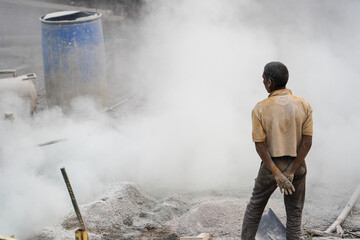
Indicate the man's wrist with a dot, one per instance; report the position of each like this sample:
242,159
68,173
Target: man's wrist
275,170
291,172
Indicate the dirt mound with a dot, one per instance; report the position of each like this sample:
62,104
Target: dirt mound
125,211
220,218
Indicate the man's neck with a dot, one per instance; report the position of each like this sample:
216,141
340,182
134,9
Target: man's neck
278,89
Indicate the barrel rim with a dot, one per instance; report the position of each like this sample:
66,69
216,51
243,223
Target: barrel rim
96,15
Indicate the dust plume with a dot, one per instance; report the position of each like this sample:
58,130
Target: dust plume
197,67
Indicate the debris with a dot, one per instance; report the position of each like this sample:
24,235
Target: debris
336,226
171,237
314,232
202,236
9,116
120,103
51,142
168,216
128,221
352,233
7,238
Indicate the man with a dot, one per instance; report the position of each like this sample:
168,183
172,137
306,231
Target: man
282,131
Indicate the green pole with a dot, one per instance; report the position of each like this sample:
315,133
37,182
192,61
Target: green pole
73,199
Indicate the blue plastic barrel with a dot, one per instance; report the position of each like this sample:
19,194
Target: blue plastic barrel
74,56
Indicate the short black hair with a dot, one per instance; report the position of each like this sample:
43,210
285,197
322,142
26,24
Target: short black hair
277,72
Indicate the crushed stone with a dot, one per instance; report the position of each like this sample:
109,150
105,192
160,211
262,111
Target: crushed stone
127,212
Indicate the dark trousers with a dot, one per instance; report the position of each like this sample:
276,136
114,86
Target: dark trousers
265,185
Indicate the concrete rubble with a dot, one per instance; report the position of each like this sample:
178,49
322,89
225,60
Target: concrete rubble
127,211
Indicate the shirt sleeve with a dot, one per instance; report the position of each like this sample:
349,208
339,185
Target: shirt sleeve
307,128
258,133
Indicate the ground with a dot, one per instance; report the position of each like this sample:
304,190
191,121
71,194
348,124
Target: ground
127,211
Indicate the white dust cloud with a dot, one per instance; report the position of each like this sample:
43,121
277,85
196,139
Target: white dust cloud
198,65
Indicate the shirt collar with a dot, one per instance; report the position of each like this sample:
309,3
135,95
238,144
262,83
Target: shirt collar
280,92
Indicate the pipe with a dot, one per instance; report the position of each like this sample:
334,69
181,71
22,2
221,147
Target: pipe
21,85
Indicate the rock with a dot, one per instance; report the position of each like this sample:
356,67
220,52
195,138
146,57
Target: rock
128,221
172,236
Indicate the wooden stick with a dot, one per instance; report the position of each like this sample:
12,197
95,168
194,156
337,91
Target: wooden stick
339,230
50,142
122,101
319,233
352,234
340,220
202,236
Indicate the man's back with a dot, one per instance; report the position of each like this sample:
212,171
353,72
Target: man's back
280,121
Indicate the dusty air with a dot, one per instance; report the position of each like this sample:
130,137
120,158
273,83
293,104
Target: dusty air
179,120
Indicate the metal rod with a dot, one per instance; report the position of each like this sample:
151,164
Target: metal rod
50,142
73,199
9,71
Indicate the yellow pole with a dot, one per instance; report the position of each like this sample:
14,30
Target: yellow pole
81,234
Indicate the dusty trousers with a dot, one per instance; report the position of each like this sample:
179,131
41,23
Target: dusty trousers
265,185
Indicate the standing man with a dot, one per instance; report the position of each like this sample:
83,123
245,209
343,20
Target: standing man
282,129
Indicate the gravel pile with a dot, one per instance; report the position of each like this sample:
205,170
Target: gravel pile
128,212
125,211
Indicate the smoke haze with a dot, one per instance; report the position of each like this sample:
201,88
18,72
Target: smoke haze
197,65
